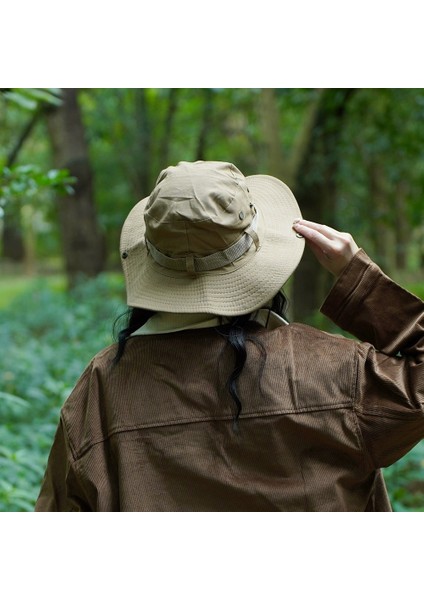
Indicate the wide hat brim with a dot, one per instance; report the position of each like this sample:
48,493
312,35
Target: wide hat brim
236,289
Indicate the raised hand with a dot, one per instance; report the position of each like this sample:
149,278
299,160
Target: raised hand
333,249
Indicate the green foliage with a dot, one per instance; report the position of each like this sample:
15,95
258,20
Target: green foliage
14,286
27,189
134,133
405,481
381,173
416,288
27,197
47,338
25,184
31,98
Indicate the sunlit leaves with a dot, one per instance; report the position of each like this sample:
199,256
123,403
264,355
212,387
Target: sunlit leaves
25,183
31,98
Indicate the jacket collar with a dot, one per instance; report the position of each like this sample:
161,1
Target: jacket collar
162,322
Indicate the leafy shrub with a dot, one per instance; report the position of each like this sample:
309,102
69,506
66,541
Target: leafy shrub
47,338
405,481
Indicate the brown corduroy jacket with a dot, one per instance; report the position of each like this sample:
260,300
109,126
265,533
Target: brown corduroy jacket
321,414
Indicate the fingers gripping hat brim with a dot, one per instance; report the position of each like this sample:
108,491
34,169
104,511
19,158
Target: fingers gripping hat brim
235,289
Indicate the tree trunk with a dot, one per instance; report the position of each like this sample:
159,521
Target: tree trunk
379,216
144,143
310,171
401,225
315,190
13,247
285,167
83,244
270,125
206,124
168,125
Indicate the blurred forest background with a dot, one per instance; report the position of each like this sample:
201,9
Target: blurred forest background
74,161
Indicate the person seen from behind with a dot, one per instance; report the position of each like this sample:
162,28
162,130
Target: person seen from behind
210,400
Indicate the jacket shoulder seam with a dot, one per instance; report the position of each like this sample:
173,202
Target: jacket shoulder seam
154,425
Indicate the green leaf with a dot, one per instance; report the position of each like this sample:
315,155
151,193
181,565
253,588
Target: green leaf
21,100
53,174
12,399
25,169
44,95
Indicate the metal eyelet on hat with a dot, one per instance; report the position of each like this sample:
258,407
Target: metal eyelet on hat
124,254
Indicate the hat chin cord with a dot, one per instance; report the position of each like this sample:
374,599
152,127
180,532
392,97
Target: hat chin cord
193,264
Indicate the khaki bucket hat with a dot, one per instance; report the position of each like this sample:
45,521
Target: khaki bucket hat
209,240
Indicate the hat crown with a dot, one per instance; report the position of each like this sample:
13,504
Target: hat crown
198,208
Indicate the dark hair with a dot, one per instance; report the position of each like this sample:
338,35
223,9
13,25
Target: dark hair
135,318
236,334
234,331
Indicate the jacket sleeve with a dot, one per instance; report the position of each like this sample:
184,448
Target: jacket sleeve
389,398
61,489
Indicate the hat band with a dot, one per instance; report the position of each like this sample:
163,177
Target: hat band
222,258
